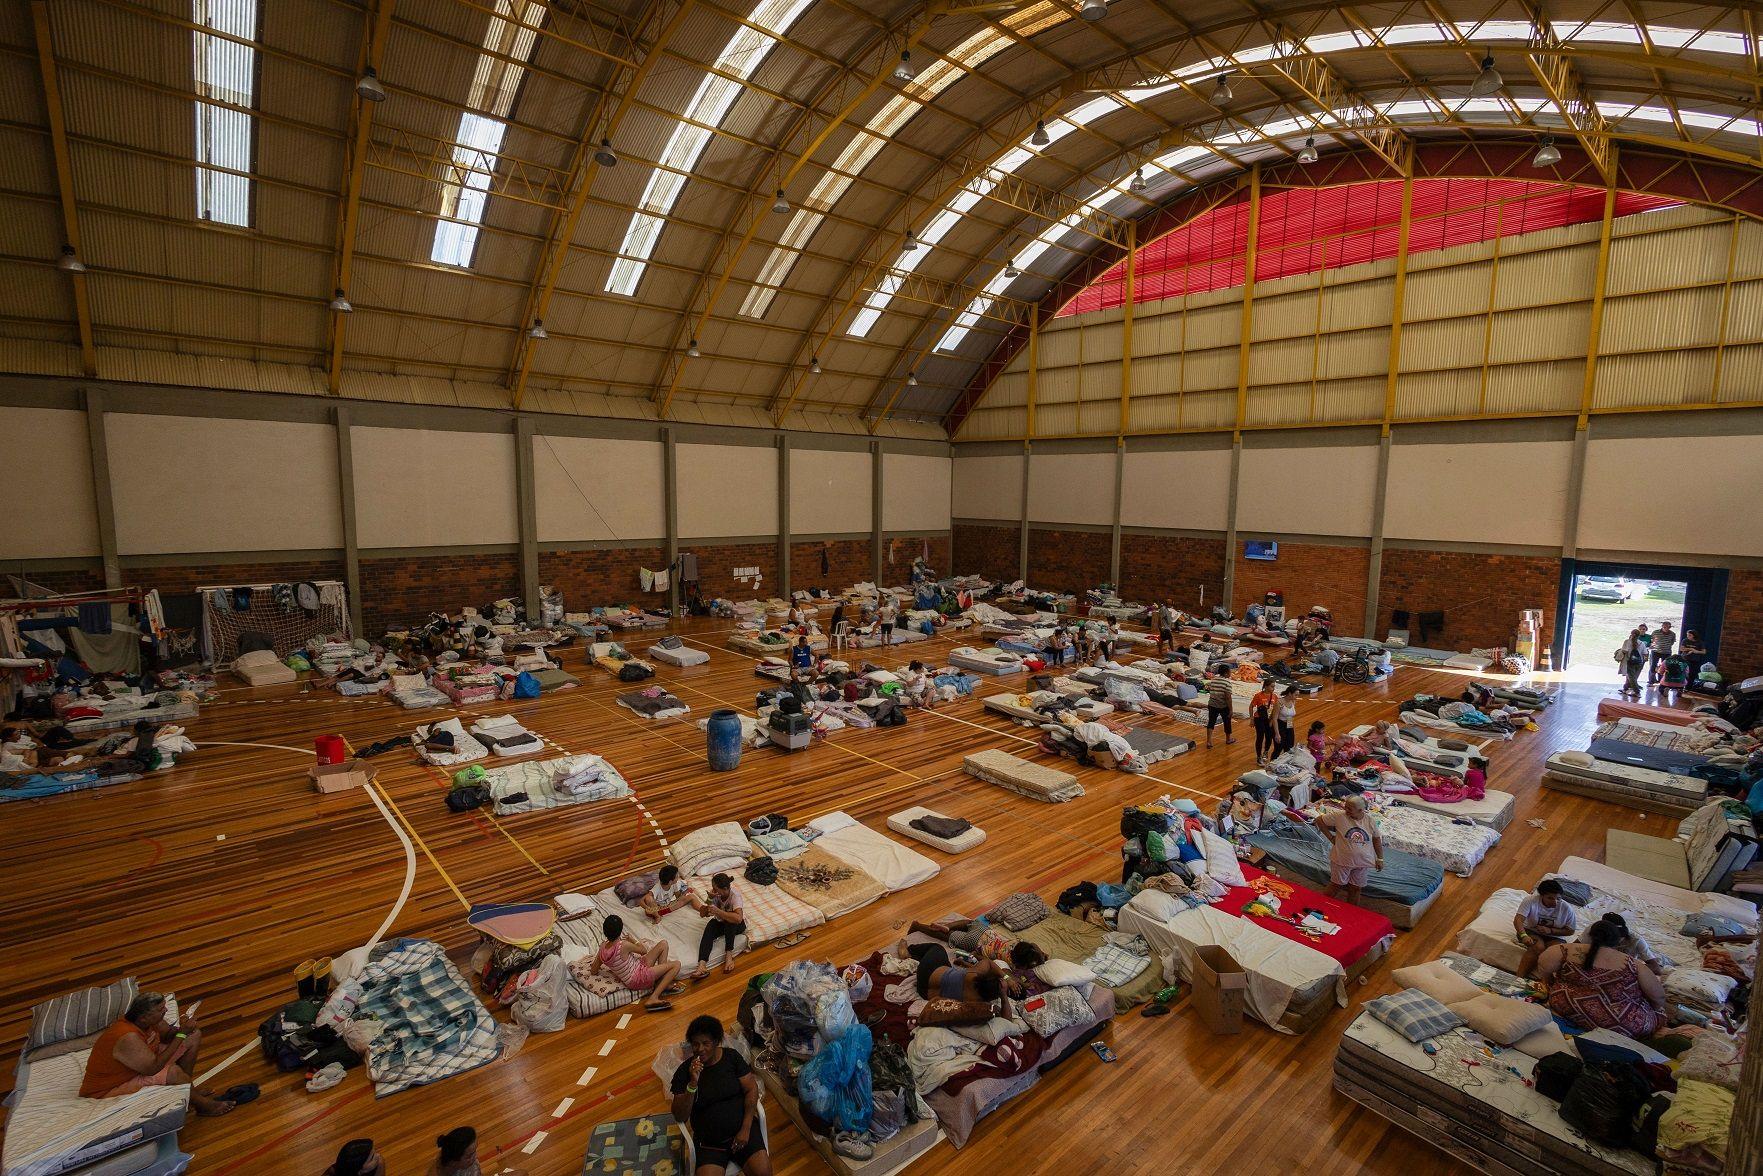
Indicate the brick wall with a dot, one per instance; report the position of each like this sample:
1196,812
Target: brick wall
1481,595
400,590
65,580
986,550
1172,569
589,579
716,567
847,562
1309,574
898,554
1067,561
188,577
1741,629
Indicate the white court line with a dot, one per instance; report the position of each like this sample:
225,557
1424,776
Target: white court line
587,1075
532,1145
606,1046
205,1075
624,1020
563,1108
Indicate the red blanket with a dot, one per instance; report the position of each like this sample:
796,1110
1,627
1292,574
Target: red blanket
1360,929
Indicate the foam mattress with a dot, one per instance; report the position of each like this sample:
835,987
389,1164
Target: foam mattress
1494,809
986,661
685,655
1626,784
1035,781
901,823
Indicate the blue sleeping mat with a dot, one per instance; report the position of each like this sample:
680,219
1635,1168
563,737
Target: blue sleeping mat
1660,759
1302,852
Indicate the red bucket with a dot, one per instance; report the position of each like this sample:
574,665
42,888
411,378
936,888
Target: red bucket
330,749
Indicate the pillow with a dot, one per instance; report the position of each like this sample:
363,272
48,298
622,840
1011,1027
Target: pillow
1577,893
1541,1043
1503,1020
1261,782
1020,911
949,1013
1699,923
1699,988
992,1032
1578,759
1154,904
1221,859
1065,974
1056,1010
1413,1014
1711,1058
631,891
1438,980
77,1014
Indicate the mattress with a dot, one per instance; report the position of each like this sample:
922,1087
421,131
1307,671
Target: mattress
1484,1116
51,1129
1621,708
685,655
466,749
1157,746
828,883
1458,848
1035,781
706,850
1427,719
555,678
1020,706
1064,937
1281,973
901,823
681,929
505,737
1631,887
769,912
419,698
653,703
261,668
1400,893
1626,784
524,787
882,858
1660,759
613,665
749,642
164,707
1494,809
985,661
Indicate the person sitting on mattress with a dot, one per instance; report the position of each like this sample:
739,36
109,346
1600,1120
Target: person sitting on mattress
918,687
1629,943
648,972
1597,985
802,655
727,919
1543,920
669,893
146,1049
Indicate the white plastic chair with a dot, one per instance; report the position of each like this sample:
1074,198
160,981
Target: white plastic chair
840,632
732,1168
667,1060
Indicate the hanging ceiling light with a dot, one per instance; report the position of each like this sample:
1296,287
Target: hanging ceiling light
904,71
537,331
69,261
341,304
912,379
1093,9
693,349
1137,183
782,203
911,242
1307,153
1010,270
1488,82
1039,138
1221,92
1548,155
368,86
606,156
814,365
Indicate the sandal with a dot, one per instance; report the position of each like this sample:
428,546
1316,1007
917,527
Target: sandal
674,989
660,1006
241,1094
1154,1010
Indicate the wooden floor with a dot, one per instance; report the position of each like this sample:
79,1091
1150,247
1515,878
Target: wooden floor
214,879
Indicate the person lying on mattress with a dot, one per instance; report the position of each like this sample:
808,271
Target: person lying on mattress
988,980
644,969
1544,919
145,1048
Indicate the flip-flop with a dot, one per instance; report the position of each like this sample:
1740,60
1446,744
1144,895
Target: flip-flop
660,1006
241,1094
1155,1010
674,990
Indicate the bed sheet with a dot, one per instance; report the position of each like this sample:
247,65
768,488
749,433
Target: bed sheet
882,858
828,883
1458,848
1494,809
680,929
524,787
1360,930
770,912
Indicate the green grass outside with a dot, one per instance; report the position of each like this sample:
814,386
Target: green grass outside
1599,628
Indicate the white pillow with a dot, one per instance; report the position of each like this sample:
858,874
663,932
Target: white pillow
1155,904
833,822
1065,974
1221,859
1578,759
992,1032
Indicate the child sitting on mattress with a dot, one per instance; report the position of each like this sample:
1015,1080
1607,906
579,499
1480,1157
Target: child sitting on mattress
647,972
669,893
1543,920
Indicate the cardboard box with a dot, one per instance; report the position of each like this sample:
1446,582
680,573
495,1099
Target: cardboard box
351,773
1220,989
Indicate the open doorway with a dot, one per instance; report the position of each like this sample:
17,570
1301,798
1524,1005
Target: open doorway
1601,603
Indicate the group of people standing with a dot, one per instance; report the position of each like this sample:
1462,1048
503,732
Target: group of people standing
1657,655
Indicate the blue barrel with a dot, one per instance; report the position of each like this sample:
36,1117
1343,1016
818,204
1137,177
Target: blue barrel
722,740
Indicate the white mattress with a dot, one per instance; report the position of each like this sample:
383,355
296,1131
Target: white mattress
985,661
685,655
465,749
882,858
1006,704
50,1123
1494,809
1279,970
1614,881
1620,780
680,929
1458,848
901,823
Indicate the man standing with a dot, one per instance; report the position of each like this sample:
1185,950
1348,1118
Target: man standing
1664,643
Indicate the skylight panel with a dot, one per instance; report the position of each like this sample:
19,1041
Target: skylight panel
225,72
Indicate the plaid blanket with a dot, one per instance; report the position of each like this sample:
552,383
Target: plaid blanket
1117,963
434,1026
1683,740
770,912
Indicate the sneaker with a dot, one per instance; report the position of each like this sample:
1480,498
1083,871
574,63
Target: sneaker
852,1145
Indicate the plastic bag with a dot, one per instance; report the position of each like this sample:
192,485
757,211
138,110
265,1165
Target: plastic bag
858,981
889,1118
525,685
541,998
793,998
835,1083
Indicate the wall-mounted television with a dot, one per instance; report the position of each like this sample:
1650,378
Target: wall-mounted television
1260,549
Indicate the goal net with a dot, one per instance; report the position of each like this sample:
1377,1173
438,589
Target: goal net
273,611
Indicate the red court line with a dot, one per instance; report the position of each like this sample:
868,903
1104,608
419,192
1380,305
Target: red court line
295,1130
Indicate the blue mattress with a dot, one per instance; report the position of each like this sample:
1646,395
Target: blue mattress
1302,850
1660,759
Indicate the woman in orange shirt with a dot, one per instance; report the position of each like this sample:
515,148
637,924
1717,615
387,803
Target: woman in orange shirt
1261,711
145,1049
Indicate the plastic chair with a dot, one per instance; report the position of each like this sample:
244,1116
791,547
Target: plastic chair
840,632
732,1168
667,1059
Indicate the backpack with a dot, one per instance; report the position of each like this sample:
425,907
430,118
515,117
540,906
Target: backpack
1554,1075
463,800
1603,1102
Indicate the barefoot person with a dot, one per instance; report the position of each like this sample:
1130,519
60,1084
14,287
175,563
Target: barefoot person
1355,848
1543,920
146,1049
727,920
645,970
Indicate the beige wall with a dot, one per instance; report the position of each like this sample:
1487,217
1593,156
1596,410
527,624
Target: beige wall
726,490
188,484
598,488
46,485
1327,490
1071,488
988,487
1698,495
1510,492
431,488
1178,489
830,491
916,492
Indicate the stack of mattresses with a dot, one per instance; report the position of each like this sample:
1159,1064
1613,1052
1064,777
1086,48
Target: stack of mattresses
1631,784
1035,781
1156,746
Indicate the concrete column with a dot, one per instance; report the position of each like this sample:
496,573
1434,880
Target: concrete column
670,498
876,489
1575,488
783,515
1374,566
340,417
528,510
1230,522
100,455
1114,535
1022,535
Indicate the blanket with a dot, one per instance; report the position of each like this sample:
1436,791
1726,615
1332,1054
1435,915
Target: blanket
553,783
827,883
1063,937
722,846
432,1025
